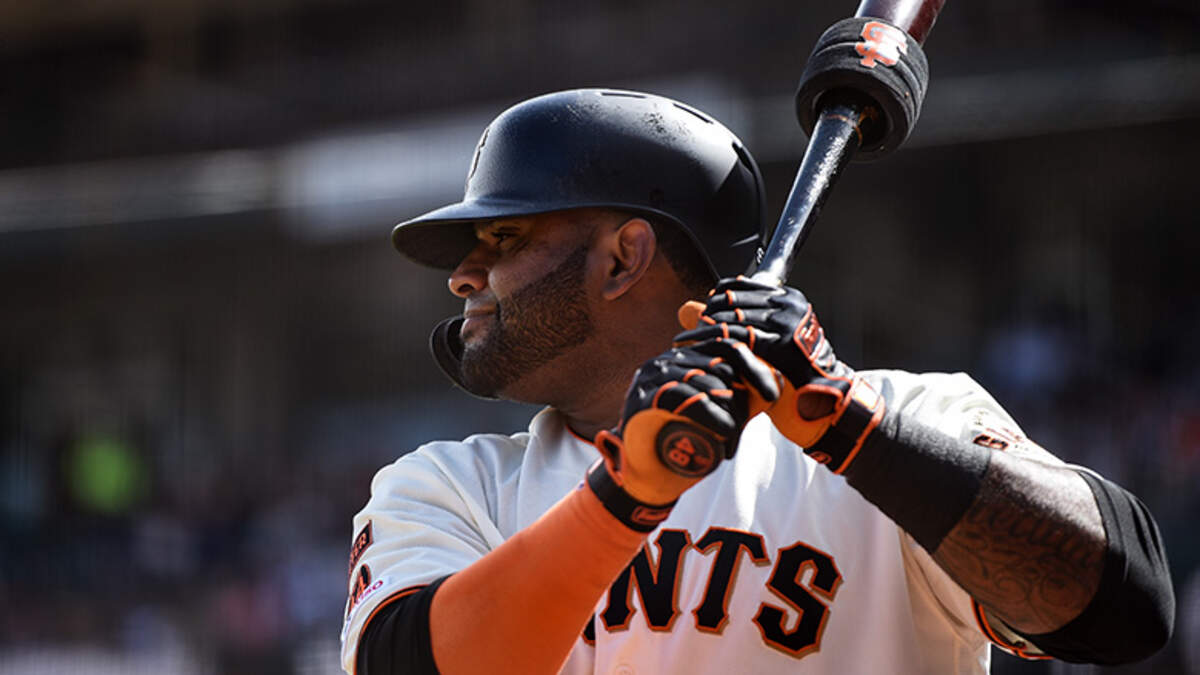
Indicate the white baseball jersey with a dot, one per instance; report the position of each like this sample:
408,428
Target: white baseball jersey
770,564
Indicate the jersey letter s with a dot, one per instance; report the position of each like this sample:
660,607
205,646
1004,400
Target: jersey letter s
786,583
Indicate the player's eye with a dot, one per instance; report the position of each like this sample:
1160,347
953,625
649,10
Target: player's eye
498,237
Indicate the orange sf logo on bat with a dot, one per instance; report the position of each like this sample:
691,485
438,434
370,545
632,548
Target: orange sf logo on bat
881,44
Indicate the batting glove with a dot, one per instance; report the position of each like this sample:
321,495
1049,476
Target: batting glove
683,414
823,405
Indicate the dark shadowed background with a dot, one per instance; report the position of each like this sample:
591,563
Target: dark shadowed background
208,347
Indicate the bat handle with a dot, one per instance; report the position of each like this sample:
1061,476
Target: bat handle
834,140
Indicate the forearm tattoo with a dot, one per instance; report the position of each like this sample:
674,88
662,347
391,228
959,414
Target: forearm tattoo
1031,547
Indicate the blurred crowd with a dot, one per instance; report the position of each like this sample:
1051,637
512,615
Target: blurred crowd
205,570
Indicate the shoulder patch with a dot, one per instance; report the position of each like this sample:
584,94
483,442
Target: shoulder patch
361,588
989,441
362,540
991,431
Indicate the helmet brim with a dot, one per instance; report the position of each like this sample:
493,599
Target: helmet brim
443,237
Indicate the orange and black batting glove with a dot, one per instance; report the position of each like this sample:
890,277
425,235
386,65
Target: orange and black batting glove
683,414
823,405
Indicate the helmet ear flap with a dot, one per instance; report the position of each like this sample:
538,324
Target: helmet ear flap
447,348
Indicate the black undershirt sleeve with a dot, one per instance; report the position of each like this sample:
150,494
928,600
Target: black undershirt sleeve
1133,612
397,638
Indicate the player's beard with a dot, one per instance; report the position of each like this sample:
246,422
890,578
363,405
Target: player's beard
537,323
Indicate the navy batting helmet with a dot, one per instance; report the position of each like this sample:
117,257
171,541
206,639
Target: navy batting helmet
605,148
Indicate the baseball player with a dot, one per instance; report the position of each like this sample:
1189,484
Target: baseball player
819,519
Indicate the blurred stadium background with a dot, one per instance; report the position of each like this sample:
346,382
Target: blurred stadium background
208,346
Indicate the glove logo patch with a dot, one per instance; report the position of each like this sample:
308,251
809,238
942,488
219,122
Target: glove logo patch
685,451
881,44
649,517
808,334
865,395
820,457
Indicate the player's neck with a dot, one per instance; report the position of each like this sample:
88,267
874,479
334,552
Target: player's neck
597,406
586,428
630,331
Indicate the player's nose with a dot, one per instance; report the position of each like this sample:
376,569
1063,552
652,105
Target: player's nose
471,274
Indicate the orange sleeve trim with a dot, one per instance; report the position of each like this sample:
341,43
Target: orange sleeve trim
402,593
986,628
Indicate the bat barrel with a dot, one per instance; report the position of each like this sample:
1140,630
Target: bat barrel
914,17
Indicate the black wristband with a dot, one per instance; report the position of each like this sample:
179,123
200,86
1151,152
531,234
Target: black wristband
923,479
862,410
636,515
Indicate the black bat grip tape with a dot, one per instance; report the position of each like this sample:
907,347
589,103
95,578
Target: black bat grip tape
867,57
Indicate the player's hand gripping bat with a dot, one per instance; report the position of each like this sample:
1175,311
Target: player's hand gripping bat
859,97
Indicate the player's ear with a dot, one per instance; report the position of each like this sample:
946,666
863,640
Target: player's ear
629,252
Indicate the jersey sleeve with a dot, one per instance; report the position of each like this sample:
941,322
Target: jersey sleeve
420,524
958,406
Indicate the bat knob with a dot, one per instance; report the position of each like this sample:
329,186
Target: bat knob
689,314
868,60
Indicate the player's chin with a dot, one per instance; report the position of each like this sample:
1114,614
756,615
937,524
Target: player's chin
482,366
479,376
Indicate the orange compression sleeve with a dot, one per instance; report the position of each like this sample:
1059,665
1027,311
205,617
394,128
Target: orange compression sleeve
521,607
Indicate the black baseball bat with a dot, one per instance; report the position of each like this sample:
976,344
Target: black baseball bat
859,96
